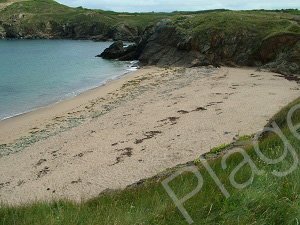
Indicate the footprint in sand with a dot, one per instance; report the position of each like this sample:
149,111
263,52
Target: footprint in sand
43,172
126,152
183,111
148,135
40,162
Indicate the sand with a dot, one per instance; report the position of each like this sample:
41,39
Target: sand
133,128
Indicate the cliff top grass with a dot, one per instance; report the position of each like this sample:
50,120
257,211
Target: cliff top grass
261,23
32,13
38,11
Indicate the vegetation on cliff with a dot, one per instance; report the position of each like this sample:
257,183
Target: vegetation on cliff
245,37
265,39
49,19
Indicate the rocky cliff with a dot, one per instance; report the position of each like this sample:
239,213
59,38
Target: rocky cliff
50,20
52,29
168,44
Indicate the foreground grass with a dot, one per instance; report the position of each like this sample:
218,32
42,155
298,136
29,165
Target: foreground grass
268,200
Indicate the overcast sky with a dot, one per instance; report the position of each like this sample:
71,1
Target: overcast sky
181,5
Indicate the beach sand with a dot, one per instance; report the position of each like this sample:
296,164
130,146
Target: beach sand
133,128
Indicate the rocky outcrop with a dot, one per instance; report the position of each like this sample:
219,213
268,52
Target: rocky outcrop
281,53
165,45
276,44
2,33
10,31
114,51
159,45
123,32
118,51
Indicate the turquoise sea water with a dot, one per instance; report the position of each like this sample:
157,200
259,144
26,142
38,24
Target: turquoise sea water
36,73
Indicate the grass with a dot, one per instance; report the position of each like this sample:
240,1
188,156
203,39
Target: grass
245,138
260,23
219,148
268,200
40,15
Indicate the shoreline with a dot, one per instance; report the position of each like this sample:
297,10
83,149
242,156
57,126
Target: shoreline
76,93
133,128
69,102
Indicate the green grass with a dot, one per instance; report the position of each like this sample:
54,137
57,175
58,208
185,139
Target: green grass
245,138
260,23
38,14
219,148
268,200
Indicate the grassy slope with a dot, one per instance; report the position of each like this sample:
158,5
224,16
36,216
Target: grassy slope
38,12
263,23
268,200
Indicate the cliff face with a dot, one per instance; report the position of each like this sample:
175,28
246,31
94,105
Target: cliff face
163,44
70,30
48,19
167,44
281,53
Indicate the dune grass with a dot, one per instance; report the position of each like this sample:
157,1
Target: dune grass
267,200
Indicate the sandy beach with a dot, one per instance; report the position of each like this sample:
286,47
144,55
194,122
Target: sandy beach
133,128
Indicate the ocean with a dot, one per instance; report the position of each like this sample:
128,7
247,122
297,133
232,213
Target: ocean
36,73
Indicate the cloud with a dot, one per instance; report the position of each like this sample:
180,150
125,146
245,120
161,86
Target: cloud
184,5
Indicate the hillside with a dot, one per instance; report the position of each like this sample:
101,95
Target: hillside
49,19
